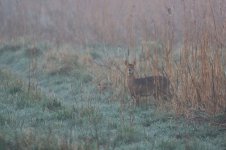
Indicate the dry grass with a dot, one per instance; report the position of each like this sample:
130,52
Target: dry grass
109,75
200,81
62,61
197,76
196,70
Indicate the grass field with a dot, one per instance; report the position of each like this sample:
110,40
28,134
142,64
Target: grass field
49,99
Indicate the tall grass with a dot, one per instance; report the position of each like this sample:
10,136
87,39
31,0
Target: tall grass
196,69
199,72
195,65
199,80
73,115
183,40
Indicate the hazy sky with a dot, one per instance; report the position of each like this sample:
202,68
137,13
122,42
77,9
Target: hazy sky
108,21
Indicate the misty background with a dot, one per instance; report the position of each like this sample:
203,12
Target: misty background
112,22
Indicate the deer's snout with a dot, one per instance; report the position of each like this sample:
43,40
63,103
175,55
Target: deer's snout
130,71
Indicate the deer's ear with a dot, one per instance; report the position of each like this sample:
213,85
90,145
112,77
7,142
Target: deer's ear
126,62
134,62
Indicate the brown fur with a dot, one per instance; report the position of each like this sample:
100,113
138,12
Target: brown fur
157,86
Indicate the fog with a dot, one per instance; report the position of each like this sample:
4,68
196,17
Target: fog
113,22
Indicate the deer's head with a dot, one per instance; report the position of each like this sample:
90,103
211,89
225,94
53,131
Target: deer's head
130,68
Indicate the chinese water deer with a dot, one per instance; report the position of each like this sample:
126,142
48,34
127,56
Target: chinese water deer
156,86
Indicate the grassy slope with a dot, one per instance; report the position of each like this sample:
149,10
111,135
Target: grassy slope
68,112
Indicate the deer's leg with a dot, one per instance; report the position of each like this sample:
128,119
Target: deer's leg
166,94
156,95
133,99
137,100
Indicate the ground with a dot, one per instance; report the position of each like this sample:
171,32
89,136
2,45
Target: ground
52,103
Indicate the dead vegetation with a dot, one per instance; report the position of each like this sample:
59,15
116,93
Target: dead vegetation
62,61
196,68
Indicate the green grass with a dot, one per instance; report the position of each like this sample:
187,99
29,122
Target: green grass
66,111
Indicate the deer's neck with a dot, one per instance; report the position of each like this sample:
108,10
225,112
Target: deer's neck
130,80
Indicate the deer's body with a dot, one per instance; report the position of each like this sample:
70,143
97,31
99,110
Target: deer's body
157,86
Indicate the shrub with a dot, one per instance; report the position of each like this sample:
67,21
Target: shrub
3,144
33,52
60,62
95,55
168,145
10,47
126,135
53,104
15,87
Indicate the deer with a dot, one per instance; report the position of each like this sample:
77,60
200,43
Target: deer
156,86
